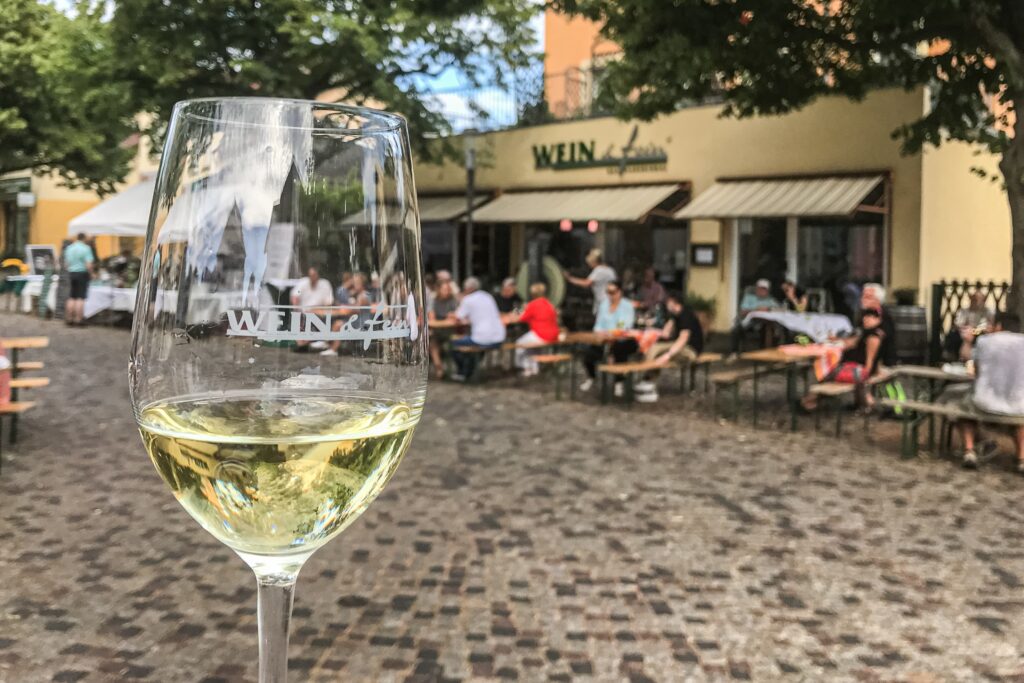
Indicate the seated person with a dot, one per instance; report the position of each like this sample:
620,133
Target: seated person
355,300
651,293
508,298
615,314
542,319
681,341
794,297
312,291
968,323
861,359
442,307
760,299
999,386
480,312
872,298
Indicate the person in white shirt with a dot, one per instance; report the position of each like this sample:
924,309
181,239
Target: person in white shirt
312,291
999,385
600,276
478,310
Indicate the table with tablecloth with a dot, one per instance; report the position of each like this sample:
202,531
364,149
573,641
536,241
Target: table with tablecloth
818,326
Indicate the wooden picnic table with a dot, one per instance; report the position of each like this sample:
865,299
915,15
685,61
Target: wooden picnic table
937,378
446,324
17,343
775,358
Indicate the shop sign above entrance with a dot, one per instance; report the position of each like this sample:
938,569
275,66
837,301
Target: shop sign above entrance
631,156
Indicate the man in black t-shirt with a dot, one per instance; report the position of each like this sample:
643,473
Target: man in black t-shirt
681,341
682,338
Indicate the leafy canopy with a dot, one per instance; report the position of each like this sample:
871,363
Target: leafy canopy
60,108
377,52
775,56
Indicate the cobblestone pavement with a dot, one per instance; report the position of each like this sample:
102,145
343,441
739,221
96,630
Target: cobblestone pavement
522,539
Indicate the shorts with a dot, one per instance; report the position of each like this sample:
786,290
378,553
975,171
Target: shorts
847,373
79,285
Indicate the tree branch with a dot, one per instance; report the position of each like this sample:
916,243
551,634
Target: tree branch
1003,47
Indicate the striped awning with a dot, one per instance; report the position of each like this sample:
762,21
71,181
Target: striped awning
782,197
552,206
444,208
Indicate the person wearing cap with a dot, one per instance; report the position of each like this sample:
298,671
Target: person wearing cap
760,299
600,275
508,298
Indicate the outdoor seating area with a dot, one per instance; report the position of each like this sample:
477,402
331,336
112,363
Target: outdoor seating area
12,407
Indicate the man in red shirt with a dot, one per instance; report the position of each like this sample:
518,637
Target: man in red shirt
542,318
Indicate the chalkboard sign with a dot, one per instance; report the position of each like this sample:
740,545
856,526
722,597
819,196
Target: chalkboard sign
41,258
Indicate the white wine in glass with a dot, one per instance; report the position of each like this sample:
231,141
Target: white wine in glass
274,401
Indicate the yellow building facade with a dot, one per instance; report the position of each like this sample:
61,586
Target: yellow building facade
929,218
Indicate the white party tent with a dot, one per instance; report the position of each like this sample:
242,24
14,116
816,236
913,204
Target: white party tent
126,214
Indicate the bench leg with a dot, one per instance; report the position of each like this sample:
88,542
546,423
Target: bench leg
837,407
604,387
572,376
736,401
558,381
755,395
629,394
791,395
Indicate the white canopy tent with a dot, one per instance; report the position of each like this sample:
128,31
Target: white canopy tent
126,214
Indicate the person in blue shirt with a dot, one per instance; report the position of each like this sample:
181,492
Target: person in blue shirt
615,314
760,299
78,260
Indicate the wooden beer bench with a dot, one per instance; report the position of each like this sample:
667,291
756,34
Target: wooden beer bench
12,410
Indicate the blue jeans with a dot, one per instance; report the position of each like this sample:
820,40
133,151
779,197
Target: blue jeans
465,363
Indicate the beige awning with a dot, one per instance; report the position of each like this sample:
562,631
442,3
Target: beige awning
782,197
552,206
447,207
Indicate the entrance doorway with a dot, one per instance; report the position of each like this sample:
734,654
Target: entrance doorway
762,253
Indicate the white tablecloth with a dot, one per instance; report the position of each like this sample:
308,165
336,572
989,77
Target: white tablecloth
33,288
107,298
818,326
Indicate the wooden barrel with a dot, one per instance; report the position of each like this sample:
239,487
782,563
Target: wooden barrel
911,333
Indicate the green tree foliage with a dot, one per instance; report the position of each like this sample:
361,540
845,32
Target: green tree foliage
377,52
765,57
60,107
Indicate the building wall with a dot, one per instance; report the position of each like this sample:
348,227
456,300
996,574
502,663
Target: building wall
966,218
832,135
570,44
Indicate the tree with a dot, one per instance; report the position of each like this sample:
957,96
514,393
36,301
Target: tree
381,52
60,109
764,57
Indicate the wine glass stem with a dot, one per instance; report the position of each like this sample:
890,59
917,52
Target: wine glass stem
274,608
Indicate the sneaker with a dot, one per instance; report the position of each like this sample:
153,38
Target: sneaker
458,378
648,397
619,390
645,387
1020,467
329,352
970,460
318,345
586,384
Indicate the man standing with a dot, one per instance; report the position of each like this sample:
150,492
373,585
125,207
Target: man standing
78,260
480,312
600,276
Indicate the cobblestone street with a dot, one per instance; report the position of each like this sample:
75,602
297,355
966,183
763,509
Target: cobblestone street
522,539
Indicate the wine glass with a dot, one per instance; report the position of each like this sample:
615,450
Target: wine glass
274,406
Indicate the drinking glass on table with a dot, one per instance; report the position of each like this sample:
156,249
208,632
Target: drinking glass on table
274,452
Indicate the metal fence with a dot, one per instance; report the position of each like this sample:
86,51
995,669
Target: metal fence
947,300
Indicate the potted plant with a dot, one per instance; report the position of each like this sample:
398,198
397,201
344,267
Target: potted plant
704,308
